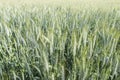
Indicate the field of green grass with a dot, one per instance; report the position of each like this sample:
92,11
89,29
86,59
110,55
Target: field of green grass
60,40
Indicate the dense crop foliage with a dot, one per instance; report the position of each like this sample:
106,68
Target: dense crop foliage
48,43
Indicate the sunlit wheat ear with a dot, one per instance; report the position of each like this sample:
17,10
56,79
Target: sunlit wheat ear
46,63
53,77
85,35
63,73
52,42
80,41
74,41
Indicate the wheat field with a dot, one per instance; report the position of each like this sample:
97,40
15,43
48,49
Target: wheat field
60,40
